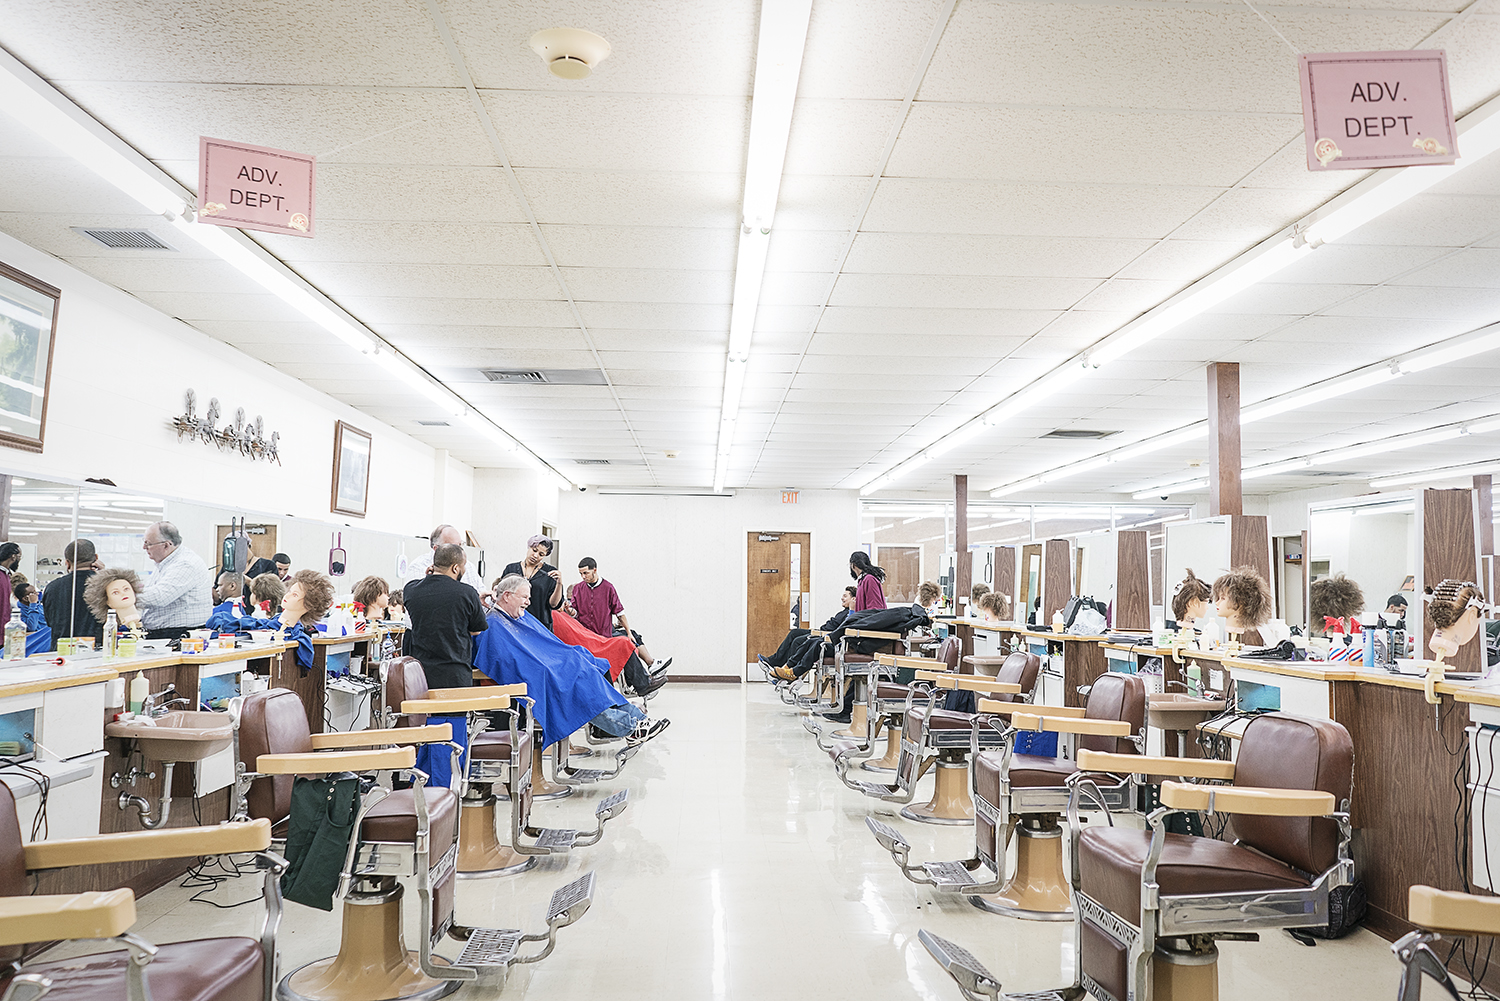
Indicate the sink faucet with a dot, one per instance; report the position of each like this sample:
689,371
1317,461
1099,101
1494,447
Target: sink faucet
1197,693
150,706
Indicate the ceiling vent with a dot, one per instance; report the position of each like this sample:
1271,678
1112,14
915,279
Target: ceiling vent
544,376
433,424
591,462
1078,434
123,239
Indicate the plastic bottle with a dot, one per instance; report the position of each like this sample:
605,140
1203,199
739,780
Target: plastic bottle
1057,621
15,638
139,689
111,633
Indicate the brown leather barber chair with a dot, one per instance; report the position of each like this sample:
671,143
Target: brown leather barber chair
1149,905
888,700
210,969
1027,795
1437,913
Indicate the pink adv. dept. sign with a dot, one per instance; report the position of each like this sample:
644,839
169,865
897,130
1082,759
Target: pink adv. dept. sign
255,187
1377,109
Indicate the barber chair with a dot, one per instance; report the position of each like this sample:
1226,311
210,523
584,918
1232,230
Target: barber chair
210,969
849,666
411,832
495,756
1027,795
1148,905
948,736
887,700
1435,913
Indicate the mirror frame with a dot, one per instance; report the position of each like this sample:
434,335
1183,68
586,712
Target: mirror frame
26,443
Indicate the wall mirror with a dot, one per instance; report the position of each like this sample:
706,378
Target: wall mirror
1373,541
28,327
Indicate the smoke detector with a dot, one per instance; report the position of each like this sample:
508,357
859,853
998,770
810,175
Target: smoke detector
570,53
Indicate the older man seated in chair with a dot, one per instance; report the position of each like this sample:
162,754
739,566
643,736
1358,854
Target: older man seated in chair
570,685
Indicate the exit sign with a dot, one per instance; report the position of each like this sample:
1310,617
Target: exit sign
789,497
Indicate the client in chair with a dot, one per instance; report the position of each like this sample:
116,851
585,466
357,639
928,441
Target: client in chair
570,686
798,641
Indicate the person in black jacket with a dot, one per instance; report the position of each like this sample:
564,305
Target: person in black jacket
62,602
798,640
901,619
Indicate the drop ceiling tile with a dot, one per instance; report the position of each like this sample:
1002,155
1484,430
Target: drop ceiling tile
473,312
673,316
650,285
585,197
353,241
682,248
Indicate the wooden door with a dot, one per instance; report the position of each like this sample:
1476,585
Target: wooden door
903,572
262,543
778,568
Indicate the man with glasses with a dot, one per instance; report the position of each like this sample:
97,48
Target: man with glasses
177,597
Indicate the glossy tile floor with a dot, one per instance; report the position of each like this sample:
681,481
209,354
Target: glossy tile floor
743,870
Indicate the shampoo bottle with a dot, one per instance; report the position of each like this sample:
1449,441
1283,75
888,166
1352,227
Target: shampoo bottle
111,633
139,689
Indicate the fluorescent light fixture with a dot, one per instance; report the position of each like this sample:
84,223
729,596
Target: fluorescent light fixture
407,371
778,66
1188,487
1475,342
1169,440
1326,390
486,427
1384,445
1273,468
1405,507
1441,473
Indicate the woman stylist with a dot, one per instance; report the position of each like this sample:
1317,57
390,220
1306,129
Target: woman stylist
544,578
868,592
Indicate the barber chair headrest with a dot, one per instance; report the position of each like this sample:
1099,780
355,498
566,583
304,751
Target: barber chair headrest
1295,752
1116,696
272,722
1020,668
950,652
405,681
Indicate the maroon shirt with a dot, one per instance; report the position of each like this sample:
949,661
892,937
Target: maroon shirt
597,606
868,593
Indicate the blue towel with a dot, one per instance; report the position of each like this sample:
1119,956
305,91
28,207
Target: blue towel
295,633
570,685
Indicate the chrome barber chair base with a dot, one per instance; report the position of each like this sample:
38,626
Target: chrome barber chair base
922,815
950,803
887,762
1008,905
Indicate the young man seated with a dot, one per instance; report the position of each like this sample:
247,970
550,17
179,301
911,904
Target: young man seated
570,685
796,643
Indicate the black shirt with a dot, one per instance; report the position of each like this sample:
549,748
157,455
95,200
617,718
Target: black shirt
444,612
55,605
541,590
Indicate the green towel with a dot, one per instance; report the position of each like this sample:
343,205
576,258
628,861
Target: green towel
318,832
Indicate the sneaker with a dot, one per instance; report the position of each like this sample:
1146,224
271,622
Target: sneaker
783,674
658,666
646,729
656,682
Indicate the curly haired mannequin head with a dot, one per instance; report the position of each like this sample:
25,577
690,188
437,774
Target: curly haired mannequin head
114,589
1243,599
1190,599
1335,597
1454,606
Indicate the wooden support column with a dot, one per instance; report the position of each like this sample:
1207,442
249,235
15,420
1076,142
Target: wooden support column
1449,551
1224,439
963,570
1485,511
1133,582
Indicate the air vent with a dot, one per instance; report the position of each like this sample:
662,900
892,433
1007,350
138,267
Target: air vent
544,376
591,462
1079,434
433,424
123,239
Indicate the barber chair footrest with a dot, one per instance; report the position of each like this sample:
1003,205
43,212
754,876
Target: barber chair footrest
875,789
581,776
556,839
490,948
975,980
949,875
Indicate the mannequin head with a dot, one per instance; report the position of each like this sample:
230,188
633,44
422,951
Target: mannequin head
1190,599
1243,599
114,589
928,594
1454,606
268,590
375,594
1335,597
308,597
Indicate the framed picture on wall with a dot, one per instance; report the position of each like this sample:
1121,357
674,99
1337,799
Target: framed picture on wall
351,470
28,328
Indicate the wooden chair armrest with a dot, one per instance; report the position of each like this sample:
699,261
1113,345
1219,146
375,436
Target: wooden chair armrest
1008,708
1248,799
816,634
871,634
1065,724
336,761
1194,768
140,846
62,916
476,691
455,707
934,675
1445,910
429,734
969,683
901,660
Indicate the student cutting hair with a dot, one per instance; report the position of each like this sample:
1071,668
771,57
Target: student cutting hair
868,579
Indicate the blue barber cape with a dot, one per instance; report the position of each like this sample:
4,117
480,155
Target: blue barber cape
570,685
225,621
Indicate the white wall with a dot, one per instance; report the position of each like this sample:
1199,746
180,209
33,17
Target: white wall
119,372
679,561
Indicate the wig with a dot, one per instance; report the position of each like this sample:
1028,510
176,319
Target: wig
978,591
859,563
928,592
1450,599
1190,590
94,590
367,591
995,603
1335,597
1250,594
268,588
317,595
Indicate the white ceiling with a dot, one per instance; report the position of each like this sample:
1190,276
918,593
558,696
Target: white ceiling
1062,167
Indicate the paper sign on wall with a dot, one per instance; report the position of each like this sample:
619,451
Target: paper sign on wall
1377,109
255,187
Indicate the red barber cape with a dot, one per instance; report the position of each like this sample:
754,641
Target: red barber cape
615,649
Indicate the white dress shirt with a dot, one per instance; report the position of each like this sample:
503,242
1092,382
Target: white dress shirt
178,595
418,568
